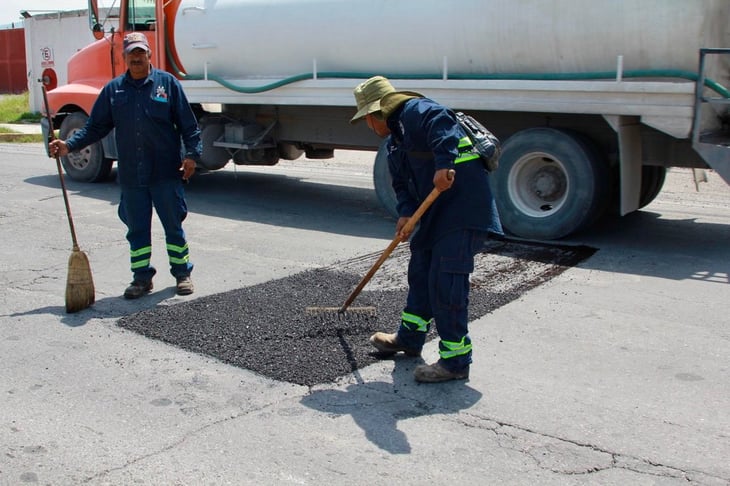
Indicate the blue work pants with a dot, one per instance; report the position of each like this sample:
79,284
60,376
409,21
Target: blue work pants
438,290
135,210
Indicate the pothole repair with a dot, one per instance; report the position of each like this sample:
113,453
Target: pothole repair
265,328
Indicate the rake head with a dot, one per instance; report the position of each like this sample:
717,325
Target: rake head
341,312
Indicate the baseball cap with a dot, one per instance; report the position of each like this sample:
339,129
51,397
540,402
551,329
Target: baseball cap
135,40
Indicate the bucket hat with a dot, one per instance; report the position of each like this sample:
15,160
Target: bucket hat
368,95
378,95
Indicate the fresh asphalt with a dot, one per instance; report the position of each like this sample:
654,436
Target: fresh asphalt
615,372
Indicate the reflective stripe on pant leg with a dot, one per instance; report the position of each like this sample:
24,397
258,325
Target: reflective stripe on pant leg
135,211
140,258
452,321
169,201
414,323
452,262
178,255
417,315
451,349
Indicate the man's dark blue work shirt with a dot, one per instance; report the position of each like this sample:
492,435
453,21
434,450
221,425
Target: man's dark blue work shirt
150,116
424,138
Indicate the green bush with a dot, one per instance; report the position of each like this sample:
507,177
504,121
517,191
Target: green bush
14,109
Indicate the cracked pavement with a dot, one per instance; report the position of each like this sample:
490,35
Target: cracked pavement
613,372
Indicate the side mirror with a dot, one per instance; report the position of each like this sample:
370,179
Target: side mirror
97,31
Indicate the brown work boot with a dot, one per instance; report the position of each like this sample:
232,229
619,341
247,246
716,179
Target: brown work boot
184,285
388,344
137,289
435,373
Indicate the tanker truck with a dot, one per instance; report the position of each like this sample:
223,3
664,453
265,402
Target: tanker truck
592,100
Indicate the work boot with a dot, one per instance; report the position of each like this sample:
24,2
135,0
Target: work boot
388,344
184,285
137,289
435,373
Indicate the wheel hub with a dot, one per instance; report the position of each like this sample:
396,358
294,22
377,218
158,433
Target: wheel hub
538,185
79,160
548,183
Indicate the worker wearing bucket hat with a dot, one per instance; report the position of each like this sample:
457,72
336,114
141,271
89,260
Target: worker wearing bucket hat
425,143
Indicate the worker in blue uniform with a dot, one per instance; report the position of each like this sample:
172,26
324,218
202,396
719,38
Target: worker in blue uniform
425,143
151,115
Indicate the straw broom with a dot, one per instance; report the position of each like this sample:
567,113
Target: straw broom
79,281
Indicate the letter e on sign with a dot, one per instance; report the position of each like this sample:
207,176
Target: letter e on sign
46,57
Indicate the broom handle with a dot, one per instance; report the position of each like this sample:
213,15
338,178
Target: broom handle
412,221
60,171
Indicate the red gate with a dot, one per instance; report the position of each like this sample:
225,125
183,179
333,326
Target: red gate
12,61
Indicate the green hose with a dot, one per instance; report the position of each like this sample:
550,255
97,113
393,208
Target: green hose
639,73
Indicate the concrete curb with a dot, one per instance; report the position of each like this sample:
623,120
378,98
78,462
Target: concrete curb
21,128
13,137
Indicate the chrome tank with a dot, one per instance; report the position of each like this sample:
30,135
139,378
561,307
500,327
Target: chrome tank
250,39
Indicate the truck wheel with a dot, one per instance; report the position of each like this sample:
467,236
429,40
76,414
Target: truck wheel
550,183
87,164
213,158
384,182
652,181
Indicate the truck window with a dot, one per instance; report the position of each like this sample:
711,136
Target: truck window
141,15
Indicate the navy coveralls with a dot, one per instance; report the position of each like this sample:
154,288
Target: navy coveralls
426,137
150,116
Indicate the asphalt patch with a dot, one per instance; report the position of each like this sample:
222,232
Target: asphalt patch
266,328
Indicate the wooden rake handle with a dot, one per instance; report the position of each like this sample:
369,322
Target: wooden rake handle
408,228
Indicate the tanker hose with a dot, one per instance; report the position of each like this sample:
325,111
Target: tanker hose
604,75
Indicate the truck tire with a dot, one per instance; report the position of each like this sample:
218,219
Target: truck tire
550,183
213,158
87,164
652,181
383,182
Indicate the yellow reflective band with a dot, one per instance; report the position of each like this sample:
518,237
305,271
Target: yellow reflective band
141,264
465,142
466,158
411,320
141,251
454,349
179,261
466,152
177,249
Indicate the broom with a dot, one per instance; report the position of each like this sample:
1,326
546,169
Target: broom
79,282
384,256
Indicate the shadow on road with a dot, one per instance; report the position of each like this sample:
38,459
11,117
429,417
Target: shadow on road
267,198
286,200
396,402
700,246
106,307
